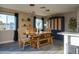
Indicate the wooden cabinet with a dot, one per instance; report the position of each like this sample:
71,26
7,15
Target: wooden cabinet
57,25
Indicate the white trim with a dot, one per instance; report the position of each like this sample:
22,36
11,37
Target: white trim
7,13
6,42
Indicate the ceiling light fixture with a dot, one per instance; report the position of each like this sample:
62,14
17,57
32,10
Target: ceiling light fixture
47,10
32,5
42,7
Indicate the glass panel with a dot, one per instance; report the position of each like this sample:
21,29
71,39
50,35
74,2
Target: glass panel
39,24
2,22
10,22
56,24
2,18
52,24
7,22
59,23
48,23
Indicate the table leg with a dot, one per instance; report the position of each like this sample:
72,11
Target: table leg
38,44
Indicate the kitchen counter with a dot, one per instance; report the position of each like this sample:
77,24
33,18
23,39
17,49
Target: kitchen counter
69,33
70,38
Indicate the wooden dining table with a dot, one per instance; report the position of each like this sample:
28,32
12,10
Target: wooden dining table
40,39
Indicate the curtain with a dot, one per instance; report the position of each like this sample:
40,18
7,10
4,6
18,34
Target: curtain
43,23
34,22
16,31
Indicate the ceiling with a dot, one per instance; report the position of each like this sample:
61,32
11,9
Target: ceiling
54,8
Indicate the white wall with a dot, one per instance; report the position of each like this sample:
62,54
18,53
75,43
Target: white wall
78,20
67,18
6,36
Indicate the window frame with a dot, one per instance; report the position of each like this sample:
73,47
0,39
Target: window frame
34,22
8,14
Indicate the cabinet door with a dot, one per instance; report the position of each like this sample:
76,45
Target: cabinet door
52,24
74,41
57,26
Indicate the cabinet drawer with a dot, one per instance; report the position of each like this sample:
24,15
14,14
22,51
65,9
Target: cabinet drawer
74,41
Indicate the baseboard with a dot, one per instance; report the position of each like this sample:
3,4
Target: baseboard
6,42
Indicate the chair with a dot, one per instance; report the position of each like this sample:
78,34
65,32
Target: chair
49,37
24,39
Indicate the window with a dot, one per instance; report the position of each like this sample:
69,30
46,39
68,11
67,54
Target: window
39,24
7,22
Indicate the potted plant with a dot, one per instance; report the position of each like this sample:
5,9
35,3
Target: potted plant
73,24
